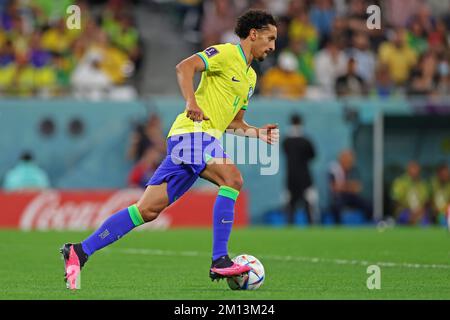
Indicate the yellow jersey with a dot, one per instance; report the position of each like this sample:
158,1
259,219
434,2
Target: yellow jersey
226,85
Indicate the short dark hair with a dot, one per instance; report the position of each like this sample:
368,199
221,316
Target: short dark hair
26,156
296,119
253,19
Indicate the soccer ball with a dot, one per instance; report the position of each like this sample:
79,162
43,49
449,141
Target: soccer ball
251,280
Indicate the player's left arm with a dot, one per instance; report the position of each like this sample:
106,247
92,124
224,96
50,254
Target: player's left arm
268,133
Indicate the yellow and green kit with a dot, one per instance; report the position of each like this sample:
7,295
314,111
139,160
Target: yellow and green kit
226,85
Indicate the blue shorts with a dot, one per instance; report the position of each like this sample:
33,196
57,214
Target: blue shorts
187,155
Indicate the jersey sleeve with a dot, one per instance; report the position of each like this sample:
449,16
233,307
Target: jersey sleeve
214,57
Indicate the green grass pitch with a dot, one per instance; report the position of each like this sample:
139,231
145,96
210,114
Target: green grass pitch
315,263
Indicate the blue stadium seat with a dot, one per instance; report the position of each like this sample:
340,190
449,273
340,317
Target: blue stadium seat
327,218
353,217
275,218
301,218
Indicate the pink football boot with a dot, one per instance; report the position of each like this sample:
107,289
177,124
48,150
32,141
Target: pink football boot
72,267
224,267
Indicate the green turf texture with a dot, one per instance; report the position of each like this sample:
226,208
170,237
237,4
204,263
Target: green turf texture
316,263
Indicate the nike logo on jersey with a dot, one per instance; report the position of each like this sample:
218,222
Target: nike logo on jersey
235,80
227,221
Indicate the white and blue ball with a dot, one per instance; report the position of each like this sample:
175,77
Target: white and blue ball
250,280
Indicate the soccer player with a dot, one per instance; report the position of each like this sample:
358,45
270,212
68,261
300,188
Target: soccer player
193,148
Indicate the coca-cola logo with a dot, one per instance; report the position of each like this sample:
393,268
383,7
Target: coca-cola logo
48,211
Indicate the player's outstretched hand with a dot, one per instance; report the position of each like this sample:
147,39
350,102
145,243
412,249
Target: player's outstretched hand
194,112
269,133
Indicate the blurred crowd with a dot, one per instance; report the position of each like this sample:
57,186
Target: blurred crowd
417,200
325,49
41,56
413,197
146,150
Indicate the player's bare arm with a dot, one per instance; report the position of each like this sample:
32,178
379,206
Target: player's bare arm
268,133
186,70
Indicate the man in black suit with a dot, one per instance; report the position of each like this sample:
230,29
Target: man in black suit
299,152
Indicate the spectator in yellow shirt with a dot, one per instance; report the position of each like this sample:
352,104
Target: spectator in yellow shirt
440,192
113,62
301,29
410,195
7,66
7,72
23,80
284,81
398,56
57,39
19,36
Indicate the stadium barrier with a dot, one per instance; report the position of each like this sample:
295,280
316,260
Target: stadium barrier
87,209
94,158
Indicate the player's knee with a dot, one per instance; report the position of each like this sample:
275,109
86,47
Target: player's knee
235,182
148,214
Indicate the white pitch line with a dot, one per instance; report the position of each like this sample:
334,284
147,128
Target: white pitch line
158,252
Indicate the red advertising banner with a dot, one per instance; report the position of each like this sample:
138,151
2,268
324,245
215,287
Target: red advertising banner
87,209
